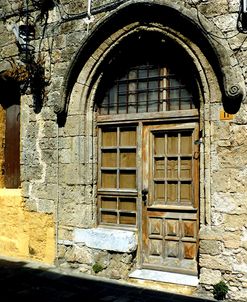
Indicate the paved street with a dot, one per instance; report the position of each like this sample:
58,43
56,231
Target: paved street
33,282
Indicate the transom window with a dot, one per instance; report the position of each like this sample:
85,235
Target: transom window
147,88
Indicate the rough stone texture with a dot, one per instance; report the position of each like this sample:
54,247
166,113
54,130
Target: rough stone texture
59,161
23,234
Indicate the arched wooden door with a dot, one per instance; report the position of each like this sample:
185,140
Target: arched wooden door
148,164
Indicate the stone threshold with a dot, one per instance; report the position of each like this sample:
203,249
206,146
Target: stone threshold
159,276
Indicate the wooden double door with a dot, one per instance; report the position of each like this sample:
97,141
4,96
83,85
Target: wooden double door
148,179
170,193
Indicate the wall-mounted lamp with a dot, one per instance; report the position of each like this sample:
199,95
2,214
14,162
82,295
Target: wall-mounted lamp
24,34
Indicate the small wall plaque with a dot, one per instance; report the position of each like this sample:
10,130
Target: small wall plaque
224,116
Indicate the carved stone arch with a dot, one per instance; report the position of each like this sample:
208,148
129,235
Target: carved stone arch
210,53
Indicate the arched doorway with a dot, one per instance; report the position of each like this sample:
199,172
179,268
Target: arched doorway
148,156
137,83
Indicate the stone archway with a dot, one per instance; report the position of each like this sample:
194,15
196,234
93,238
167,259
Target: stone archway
217,79
187,29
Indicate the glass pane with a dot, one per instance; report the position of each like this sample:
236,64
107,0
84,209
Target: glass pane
113,100
108,217
174,94
186,143
185,104
159,144
132,96
108,203
142,102
174,104
172,168
127,137
122,105
159,191
172,143
172,193
104,106
132,74
186,99
127,218
109,159
185,192
143,73
132,87
142,95
153,96
128,159
122,87
154,72
159,168
132,106
185,170
142,86
109,179
109,138
127,179
174,83
127,204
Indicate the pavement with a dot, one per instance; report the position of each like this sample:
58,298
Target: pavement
30,281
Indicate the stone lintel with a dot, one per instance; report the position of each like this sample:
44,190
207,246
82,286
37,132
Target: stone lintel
107,239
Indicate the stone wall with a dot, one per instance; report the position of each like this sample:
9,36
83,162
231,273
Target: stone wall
59,171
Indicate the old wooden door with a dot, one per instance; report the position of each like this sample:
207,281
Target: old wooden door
12,147
148,163
170,197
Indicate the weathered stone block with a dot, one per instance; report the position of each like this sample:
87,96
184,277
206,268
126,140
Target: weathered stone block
211,247
210,276
74,126
218,262
219,8
106,239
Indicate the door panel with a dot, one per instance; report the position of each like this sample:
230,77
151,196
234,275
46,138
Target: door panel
170,214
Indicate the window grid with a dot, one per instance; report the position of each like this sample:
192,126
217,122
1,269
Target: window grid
113,213
147,91
172,172
117,176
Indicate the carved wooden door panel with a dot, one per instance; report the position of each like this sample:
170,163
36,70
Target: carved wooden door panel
170,211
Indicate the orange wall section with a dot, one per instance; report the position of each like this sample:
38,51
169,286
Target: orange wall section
23,234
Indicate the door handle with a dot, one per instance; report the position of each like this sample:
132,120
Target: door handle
144,195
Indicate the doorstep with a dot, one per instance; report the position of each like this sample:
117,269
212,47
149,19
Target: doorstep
159,276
